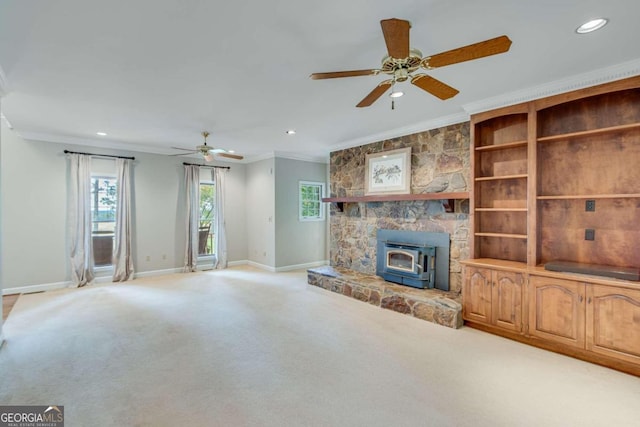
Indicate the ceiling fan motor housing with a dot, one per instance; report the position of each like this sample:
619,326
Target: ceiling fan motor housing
400,68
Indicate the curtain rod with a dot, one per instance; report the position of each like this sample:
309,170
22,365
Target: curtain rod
99,155
206,166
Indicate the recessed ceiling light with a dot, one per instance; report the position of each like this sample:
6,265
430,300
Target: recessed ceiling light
231,151
290,132
592,25
396,94
101,133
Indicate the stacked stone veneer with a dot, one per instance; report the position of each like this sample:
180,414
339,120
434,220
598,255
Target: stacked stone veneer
440,162
433,305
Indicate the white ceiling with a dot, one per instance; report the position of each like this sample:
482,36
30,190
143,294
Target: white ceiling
154,73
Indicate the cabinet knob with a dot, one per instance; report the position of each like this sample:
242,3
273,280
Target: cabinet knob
581,298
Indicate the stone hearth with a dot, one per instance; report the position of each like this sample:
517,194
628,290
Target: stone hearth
432,305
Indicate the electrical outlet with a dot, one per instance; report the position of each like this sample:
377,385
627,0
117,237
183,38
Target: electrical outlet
590,205
589,234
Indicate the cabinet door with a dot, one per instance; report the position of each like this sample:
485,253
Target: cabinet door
613,322
506,300
557,310
476,297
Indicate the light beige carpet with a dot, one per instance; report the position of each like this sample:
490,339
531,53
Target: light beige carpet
242,347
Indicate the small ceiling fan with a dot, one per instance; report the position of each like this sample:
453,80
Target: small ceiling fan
402,61
208,152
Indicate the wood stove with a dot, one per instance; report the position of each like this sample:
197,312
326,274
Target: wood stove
413,258
409,264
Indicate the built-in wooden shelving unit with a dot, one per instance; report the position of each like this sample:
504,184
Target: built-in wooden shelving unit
556,183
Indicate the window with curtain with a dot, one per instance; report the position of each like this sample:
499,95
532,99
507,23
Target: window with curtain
206,217
103,218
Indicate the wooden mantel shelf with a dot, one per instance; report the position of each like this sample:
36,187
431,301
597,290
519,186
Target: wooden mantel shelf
448,198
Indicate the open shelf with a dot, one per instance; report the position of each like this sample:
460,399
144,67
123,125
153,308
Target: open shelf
447,198
591,132
504,146
590,196
494,178
503,235
398,197
501,209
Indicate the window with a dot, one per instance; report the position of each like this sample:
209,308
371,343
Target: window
103,218
311,208
207,215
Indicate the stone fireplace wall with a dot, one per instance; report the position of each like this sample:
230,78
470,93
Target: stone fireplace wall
440,162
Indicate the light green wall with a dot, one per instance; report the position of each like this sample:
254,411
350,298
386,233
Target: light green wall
297,242
260,193
33,198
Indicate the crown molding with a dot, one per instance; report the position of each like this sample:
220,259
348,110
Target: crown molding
288,155
403,131
260,157
579,81
90,142
302,157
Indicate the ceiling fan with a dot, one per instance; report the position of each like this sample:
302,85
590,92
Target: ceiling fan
402,61
208,152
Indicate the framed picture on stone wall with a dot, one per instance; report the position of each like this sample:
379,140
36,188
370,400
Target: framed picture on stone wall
388,172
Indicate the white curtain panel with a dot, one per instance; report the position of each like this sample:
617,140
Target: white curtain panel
192,187
220,233
79,220
122,255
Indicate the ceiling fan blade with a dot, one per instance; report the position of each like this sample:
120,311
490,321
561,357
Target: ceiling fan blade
231,156
338,74
467,53
434,86
184,149
396,36
375,94
184,154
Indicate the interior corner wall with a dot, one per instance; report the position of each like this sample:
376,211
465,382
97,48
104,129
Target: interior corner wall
260,223
297,242
33,198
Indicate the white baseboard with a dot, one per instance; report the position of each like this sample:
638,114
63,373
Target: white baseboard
302,266
288,267
261,266
29,289
107,278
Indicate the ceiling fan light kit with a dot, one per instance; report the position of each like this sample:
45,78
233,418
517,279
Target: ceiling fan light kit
592,25
402,61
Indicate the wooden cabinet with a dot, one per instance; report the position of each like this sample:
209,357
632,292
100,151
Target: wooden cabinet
477,295
613,322
557,310
493,297
506,300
